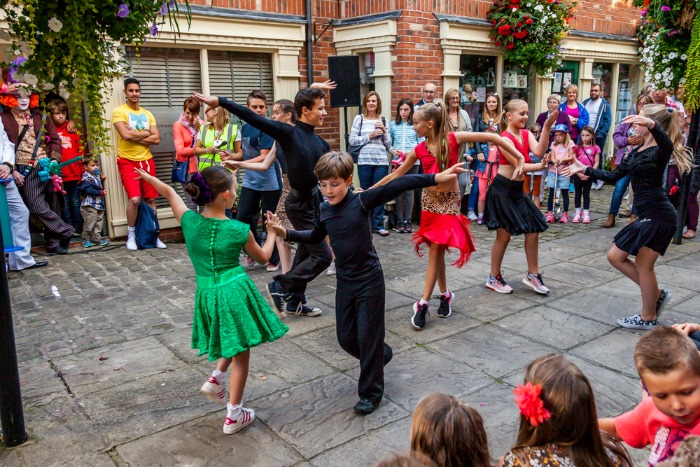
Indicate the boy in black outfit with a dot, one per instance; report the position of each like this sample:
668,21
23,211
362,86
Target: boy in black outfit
359,299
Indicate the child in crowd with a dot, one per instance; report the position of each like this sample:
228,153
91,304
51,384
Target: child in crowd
449,432
404,140
72,173
442,225
359,299
534,178
692,330
230,315
507,210
669,366
485,173
92,209
588,154
562,154
558,424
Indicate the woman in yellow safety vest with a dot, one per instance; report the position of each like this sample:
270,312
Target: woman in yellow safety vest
218,140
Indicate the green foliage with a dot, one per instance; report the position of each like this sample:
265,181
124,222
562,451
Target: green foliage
73,46
664,35
531,31
691,95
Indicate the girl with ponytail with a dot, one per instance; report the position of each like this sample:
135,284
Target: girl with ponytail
650,234
230,315
442,226
508,211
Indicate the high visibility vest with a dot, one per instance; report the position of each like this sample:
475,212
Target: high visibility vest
207,136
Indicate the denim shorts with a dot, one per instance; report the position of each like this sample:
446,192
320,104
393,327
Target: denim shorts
562,181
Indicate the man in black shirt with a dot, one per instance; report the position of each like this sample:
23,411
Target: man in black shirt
359,299
302,149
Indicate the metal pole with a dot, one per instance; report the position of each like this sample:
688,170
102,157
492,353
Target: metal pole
11,414
309,44
347,136
685,186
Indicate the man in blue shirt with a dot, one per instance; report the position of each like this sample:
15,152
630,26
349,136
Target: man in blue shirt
260,189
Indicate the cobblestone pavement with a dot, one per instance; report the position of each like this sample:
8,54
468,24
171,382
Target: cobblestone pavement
108,376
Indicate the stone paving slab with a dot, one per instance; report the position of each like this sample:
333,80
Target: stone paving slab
135,308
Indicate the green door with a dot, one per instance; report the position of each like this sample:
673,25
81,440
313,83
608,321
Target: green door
565,75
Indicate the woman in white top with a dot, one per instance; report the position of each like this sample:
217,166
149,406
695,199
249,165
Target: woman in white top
370,130
404,139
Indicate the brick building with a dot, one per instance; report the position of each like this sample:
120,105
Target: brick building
234,46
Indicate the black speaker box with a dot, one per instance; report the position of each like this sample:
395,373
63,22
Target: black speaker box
345,71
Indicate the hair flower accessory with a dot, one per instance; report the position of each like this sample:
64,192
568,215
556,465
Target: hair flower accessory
530,403
204,190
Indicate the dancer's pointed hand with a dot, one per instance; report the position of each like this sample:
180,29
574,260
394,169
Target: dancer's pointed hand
211,101
451,173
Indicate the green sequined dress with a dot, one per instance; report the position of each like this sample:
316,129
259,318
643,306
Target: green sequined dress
230,315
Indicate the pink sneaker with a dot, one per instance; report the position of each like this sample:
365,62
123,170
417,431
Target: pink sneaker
213,391
564,218
245,418
586,218
549,218
577,218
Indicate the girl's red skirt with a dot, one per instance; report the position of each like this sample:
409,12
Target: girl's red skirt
442,223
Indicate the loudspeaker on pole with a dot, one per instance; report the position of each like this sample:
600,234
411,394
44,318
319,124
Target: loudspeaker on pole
345,71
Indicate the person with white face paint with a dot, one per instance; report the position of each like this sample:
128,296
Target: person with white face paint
35,138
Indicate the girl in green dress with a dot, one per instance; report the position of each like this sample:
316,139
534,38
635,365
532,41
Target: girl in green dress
230,315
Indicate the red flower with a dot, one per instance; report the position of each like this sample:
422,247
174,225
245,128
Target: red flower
520,24
528,21
510,46
504,30
499,43
520,34
493,22
530,404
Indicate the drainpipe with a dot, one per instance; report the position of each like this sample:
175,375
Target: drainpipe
309,44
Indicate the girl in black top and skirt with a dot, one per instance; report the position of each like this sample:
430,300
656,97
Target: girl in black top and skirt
651,233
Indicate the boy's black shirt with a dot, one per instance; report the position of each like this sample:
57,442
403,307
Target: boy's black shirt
347,223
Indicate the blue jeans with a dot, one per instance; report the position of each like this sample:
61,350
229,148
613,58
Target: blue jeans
618,194
71,210
369,175
473,195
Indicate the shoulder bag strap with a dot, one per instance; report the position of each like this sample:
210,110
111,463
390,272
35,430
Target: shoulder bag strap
38,136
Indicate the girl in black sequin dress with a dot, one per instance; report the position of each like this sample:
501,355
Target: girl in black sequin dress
651,233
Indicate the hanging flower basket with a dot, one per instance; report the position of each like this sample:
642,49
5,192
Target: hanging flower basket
73,47
531,31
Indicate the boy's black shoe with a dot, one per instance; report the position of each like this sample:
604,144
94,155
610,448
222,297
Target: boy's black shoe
419,312
365,407
445,308
57,250
300,309
276,294
388,354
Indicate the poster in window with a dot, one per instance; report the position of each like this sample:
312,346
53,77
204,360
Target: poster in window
566,80
556,85
511,80
480,94
522,81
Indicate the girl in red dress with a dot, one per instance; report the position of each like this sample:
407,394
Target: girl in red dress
442,226
508,210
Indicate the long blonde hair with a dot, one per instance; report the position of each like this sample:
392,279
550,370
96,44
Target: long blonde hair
668,119
485,111
437,112
510,106
220,120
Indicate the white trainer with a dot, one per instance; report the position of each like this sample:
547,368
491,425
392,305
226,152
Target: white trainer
131,244
245,418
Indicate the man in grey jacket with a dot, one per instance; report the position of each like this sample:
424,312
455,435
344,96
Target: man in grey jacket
600,119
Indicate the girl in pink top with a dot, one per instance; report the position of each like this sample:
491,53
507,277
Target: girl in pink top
486,176
588,154
563,151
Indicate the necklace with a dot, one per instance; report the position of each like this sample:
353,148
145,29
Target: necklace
519,138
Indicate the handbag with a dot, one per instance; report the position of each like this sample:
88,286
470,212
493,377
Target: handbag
354,149
179,174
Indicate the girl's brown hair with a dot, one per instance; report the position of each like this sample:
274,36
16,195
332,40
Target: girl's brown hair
449,432
287,106
216,180
510,106
405,101
438,114
485,112
668,119
366,98
568,396
192,105
589,129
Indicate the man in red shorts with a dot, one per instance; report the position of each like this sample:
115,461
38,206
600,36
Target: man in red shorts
137,132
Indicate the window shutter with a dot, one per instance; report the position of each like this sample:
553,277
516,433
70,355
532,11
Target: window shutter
168,77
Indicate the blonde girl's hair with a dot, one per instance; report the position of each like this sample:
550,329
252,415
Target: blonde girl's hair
437,112
366,98
510,106
566,142
449,432
568,396
220,120
485,112
668,119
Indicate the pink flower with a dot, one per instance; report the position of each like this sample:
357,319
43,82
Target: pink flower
530,404
665,8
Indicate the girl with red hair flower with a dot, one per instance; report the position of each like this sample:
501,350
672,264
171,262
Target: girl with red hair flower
558,420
